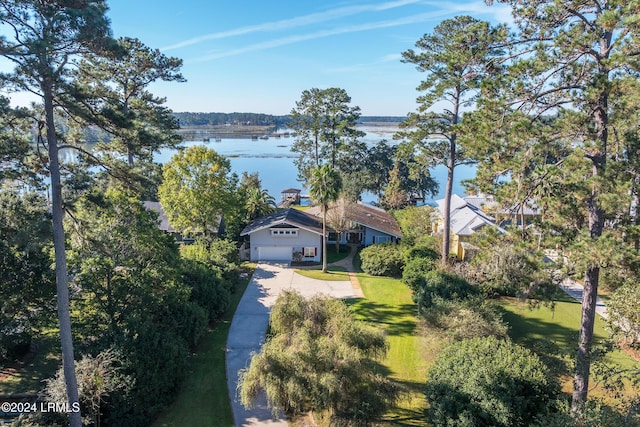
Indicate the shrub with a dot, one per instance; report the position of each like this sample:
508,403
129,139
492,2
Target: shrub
221,255
382,260
441,284
319,358
466,319
488,382
624,316
415,270
505,269
208,289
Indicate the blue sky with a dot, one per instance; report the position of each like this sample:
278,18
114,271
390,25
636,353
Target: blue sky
258,56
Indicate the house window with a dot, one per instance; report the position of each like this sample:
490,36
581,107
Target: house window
381,239
333,236
279,232
310,252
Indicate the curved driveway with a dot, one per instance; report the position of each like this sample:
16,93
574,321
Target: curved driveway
249,326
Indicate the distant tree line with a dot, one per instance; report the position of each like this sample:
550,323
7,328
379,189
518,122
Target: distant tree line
247,119
258,119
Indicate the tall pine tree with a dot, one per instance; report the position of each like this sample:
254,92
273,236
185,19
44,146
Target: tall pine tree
42,39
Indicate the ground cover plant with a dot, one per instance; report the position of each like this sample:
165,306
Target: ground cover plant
318,357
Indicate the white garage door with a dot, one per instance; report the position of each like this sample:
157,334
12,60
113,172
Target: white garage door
274,253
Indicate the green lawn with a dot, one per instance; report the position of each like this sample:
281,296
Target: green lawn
388,305
333,274
557,331
204,398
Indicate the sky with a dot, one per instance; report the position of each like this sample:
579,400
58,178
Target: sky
258,56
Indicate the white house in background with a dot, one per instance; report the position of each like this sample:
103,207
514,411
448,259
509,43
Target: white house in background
467,218
368,224
284,234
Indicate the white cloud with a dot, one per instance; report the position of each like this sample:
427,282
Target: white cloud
423,17
299,21
500,13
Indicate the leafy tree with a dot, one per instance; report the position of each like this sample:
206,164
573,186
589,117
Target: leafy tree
395,197
415,223
556,95
27,282
324,123
488,381
338,215
131,296
259,203
318,357
118,100
324,188
42,39
456,57
197,190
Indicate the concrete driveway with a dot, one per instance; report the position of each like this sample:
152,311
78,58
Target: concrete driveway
249,326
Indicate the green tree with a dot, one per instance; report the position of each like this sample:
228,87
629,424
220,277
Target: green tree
395,197
131,296
565,62
324,188
488,381
325,124
42,39
27,282
318,357
117,98
456,57
259,203
198,189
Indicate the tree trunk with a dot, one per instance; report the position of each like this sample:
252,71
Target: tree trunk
592,275
451,164
62,286
324,238
446,231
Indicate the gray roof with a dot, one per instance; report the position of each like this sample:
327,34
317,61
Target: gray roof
369,216
163,221
488,203
466,218
288,216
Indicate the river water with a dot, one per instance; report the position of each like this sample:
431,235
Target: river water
273,160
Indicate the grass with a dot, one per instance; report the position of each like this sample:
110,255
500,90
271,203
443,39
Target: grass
333,274
557,331
388,305
333,256
29,379
204,399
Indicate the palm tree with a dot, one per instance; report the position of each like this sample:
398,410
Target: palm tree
324,187
259,203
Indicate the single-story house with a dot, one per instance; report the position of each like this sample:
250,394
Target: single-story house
466,219
285,235
291,234
367,224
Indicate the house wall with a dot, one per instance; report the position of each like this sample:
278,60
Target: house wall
304,238
368,236
372,236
